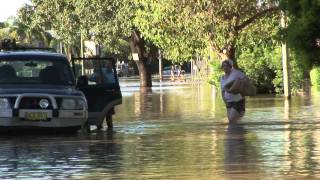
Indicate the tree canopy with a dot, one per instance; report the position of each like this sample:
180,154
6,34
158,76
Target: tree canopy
108,23
185,27
59,17
181,28
303,33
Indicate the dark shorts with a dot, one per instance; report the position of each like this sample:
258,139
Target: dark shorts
240,106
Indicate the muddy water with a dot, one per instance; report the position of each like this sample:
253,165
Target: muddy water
178,131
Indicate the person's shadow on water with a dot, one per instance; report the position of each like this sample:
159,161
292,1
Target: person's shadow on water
239,152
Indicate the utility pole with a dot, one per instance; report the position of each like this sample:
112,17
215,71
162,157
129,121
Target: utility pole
82,52
160,66
81,46
285,64
61,46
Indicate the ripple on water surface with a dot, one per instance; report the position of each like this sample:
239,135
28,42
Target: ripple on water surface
178,132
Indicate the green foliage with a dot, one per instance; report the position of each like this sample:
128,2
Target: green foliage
259,54
59,16
261,65
105,22
315,76
181,28
171,27
184,28
9,29
54,44
303,29
260,57
216,73
298,68
67,20
108,23
264,66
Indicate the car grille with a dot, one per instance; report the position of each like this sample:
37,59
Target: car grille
12,100
32,103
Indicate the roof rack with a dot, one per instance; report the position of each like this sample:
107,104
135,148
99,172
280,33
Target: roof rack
11,45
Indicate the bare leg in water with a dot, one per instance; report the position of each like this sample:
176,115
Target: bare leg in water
234,115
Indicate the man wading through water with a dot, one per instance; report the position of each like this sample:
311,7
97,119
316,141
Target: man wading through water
235,102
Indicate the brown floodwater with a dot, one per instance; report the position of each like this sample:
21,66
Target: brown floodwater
178,131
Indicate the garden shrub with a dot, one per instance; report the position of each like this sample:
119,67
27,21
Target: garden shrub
315,76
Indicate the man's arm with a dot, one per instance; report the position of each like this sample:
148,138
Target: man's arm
222,94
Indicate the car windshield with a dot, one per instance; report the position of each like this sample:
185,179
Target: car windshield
35,72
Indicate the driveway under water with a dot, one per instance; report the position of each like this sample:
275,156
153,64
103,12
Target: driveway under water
178,131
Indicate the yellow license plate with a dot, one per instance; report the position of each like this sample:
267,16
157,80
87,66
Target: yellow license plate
36,116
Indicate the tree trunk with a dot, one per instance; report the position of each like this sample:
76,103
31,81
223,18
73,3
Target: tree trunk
137,45
68,51
144,73
45,39
228,53
29,38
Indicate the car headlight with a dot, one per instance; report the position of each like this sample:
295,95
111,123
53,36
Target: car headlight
4,103
73,104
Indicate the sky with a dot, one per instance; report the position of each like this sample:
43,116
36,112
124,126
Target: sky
9,8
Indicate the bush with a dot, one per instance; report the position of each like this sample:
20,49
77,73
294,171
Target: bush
216,73
315,76
263,66
266,69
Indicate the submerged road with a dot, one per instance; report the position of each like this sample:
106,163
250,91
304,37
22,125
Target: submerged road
178,131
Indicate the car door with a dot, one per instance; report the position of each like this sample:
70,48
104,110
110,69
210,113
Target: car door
97,79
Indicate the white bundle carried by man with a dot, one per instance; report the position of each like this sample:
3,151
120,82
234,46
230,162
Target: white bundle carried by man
243,85
238,82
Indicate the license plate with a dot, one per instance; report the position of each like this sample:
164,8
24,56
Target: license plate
36,116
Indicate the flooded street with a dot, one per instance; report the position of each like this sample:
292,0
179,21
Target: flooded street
178,131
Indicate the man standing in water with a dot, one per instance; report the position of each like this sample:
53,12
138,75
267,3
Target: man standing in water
105,75
235,103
